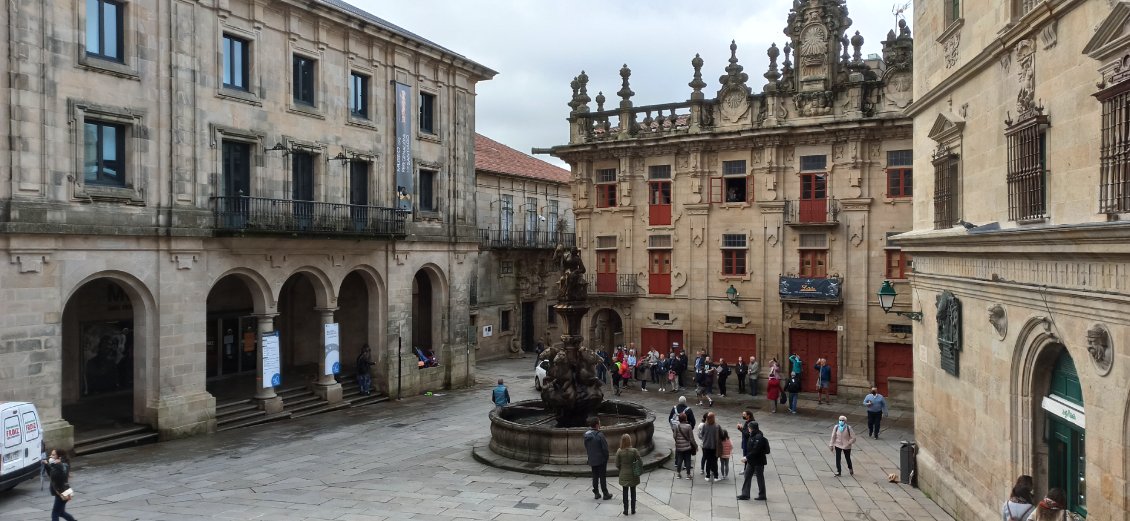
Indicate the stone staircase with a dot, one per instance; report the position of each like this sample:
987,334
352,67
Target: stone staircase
120,438
298,401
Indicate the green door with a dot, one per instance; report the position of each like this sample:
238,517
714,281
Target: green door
1067,461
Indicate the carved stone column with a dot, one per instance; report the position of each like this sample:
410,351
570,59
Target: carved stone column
265,395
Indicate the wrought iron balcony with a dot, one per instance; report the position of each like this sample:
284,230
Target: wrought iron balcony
241,214
524,239
811,290
613,285
814,212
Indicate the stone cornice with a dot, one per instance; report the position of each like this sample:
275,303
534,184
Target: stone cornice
1084,239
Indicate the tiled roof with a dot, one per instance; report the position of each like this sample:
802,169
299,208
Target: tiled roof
492,156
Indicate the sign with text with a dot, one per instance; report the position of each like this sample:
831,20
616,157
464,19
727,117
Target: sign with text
810,288
333,354
272,370
404,184
1068,411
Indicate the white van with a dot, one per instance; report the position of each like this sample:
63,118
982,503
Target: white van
23,443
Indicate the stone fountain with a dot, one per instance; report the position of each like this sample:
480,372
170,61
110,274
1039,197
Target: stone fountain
546,436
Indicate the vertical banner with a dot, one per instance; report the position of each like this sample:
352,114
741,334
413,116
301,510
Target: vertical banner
333,354
404,185
272,372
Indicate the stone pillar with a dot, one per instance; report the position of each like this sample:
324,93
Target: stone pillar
326,386
268,400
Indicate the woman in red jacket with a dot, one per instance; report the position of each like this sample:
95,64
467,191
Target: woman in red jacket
773,391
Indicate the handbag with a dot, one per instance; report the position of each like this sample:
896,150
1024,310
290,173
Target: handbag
637,466
783,399
67,494
671,376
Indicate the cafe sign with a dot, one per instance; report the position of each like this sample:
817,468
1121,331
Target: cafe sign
1065,410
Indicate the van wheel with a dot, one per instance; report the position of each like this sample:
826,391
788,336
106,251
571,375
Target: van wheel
537,383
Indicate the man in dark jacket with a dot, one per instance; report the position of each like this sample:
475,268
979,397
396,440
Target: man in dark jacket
681,408
755,460
597,447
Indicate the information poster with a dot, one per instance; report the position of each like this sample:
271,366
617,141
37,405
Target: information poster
404,174
272,371
333,354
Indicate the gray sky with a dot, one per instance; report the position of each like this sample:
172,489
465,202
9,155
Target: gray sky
538,46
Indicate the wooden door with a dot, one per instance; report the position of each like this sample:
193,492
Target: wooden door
659,272
814,263
659,209
606,271
813,198
730,346
811,344
892,360
661,339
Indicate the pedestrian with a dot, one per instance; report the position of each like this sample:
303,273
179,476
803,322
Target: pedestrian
773,391
741,370
876,411
843,436
685,445
823,380
602,367
797,364
653,367
59,472
754,374
597,448
627,461
725,451
1019,504
500,396
615,369
755,460
537,352
682,369
793,388
625,375
364,372
723,375
774,367
711,442
743,428
1053,508
681,408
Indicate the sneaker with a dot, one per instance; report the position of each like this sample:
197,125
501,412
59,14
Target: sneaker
851,472
644,389
741,472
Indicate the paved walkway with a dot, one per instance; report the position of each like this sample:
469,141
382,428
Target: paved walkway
412,460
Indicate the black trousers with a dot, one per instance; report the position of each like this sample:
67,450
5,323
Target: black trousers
751,471
874,419
722,386
629,491
741,383
600,479
710,460
847,454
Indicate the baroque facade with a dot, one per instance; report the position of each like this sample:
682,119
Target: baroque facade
747,221
525,209
201,197
1021,253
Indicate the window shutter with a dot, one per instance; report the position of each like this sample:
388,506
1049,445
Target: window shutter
715,189
749,198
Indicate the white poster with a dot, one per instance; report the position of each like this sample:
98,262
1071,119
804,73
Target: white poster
333,354
272,372
488,331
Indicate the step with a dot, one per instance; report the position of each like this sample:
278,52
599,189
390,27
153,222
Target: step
294,402
368,400
136,429
230,418
295,393
116,443
257,420
235,410
319,410
305,406
234,404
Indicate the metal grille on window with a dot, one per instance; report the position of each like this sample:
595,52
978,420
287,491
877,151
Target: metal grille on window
1027,177
813,163
659,241
656,172
1114,154
945,192
605,242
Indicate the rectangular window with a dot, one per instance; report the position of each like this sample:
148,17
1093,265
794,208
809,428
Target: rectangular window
427,199
605,242
427,113
506,216
734,319
659,241
606,188
1027,176
304,75
813,163
897,263
814,263
504,320
945,191
659,272
1114,161
659,172
104,28
506,268
104,154
358,95
953,10
302,186
734,254
733,187
812,317
903,329
661,316
235,63
659,195
551,220
817,241
900,165
531,220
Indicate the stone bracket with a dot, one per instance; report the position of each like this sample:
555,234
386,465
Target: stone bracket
30,261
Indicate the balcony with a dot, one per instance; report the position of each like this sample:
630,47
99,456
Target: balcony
240,215
807,290
524,240
613,285
812,212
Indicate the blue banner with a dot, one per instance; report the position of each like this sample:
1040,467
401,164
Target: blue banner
806,288
404,177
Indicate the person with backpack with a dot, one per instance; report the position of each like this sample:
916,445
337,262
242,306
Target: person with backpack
629,463
364,374
754,460
59,471
793,388
681,408
1019,505
843,437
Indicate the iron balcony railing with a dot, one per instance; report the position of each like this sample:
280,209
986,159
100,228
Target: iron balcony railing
259,214
815,212
613,284
524,239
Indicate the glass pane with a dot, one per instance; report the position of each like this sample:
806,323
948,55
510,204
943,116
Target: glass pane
110,21
90,152
228,48
110,143
92,34
238,52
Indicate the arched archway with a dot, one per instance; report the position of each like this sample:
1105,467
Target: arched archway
361,316
306,303
429,328
606,329
236,303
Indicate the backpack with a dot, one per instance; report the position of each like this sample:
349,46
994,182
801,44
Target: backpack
1023,517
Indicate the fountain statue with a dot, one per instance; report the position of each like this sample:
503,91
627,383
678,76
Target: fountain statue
571,390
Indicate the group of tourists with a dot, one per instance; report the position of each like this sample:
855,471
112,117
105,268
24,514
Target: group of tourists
1022,505
626,366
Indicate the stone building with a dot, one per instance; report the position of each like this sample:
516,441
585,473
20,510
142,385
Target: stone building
525,209
1021,257
195,190
754,220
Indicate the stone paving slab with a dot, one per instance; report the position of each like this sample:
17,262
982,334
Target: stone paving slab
411,459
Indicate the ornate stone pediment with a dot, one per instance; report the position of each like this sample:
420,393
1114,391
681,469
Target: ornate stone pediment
946,127
1113,35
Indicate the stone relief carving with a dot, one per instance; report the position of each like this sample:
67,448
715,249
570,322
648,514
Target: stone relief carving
898,90
1101,348
999,320
949,331
1006,62
31,262
1026,76
734,106
950,46
837,151
1048,35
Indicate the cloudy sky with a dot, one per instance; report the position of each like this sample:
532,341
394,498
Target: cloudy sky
538,46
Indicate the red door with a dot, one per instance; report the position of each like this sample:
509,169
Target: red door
659,276
813,198
606,271
810,345
892,360
659,211
661,339
730,346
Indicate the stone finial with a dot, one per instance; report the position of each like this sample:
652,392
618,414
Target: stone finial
773,52
600,101
625,92
904,30
696,83
583,98
856,44
734,74
576,85
787,65
844,43
891,35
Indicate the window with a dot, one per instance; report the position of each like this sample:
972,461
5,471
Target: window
661,316
504,320
506,216
302,186
1114,188
814,263
734,320
551,315
659,272
606,242
945,191
734,180
1022,7
105,153
427,112
813,163
551,224
506,268
1027,177
606,188
897,264
358,95
104,28
812,317
733,254
426,197
900,329
235,63
900,165
531,220
659,196
304,69
953,10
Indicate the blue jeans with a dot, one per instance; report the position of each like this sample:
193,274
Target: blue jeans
365,381
792,401
684,460
60,510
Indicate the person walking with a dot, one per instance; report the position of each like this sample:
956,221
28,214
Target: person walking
615,370
364,372
723,374
711,441
500,396
741,369
754,461
773,391
685,446
1053,508
876,411
754,374
823,380
625,375
597,448
1019,504
627,460
681,408
843,436
59,471
726,450
793,388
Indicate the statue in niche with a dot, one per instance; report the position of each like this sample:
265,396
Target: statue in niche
1100,348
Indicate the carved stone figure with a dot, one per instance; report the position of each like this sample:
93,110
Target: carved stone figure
1100,348
999,320
571,286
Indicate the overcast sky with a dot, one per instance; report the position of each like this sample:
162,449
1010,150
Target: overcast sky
538,46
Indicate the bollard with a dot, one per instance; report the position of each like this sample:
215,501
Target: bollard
908,463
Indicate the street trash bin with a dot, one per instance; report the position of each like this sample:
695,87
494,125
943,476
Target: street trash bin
908,463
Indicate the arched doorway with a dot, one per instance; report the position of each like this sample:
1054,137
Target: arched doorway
360,320
302,314
231,338
1060,427
606,330
424,320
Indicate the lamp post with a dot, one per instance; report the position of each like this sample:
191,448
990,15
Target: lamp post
887,296
732,294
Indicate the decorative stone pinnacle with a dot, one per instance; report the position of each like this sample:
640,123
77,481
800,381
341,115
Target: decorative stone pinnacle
600,101
625,91
733,52
844,43
734,74
583,98
856,44
696,83
773,52
787,65
576,85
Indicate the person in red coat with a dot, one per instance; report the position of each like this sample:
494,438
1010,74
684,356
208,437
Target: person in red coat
773,391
